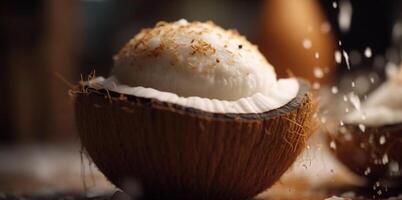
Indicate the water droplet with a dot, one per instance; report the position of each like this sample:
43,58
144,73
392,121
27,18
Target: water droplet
307,44
382,140
332,145
362,127
334,90
318,73
367,52
338,57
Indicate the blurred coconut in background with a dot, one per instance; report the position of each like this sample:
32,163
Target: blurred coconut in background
296,37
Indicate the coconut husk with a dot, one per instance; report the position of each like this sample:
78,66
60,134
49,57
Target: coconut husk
176,152
370,152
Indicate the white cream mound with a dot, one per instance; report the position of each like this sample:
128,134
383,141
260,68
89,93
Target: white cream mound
199,65
383,106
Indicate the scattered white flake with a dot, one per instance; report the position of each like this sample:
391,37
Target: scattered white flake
354,100
346,56
353,84
334,90
317,55
345,15
397,31
362,127
341,123
334,4
318,73
340,43
371,79
367,171
332,145
377,184
307,44
345,98
367,52
325,27
382,140
385,159
338,57
323,120
391,69
346,110
379,192
394,167
316,86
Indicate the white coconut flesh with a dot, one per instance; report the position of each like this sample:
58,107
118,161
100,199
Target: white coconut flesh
198,65
383,106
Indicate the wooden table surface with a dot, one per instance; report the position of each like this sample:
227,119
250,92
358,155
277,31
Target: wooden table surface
57,172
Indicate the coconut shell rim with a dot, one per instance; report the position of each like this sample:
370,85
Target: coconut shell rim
292,105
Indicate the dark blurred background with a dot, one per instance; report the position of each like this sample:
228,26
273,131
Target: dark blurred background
44,40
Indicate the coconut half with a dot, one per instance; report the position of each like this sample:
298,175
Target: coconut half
370,142
193,111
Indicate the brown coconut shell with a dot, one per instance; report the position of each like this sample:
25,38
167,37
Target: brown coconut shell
366,154
177,152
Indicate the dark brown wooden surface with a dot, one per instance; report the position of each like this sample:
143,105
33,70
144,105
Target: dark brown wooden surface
55,172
